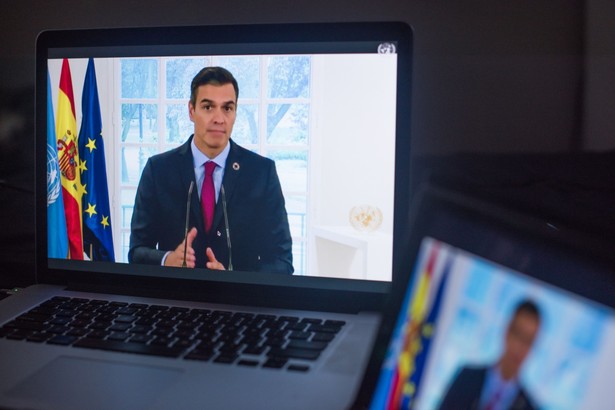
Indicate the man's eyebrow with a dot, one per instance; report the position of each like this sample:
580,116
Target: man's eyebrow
208,101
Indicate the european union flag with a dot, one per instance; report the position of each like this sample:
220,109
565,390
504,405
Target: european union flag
97,234
57,237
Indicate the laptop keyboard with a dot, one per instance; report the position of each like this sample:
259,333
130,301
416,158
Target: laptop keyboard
246,339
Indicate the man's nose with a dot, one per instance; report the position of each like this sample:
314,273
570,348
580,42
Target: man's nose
218,116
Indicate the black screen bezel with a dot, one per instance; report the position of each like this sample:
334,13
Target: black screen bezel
306,293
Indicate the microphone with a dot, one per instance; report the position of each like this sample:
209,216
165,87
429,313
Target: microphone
228,230
187,221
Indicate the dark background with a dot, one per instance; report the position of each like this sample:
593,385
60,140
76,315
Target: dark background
514,100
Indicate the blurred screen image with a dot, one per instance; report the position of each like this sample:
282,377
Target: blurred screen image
475,334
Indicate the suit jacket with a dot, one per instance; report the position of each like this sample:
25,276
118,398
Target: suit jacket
258,223
465,391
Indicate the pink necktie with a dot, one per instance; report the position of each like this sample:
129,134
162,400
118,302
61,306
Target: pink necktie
494,400
208,195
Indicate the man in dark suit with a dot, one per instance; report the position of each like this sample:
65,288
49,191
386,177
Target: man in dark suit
243,187
498,387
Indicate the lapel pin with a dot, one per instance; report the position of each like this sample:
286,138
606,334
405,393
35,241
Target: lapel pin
219,234
236,166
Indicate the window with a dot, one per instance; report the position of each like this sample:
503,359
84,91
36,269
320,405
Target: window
273,119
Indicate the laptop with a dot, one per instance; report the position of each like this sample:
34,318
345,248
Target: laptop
493,289
320,100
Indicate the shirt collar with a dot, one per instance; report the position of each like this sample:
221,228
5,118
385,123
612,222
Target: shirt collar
497,382
199,158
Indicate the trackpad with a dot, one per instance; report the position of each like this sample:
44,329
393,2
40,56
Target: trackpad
72,382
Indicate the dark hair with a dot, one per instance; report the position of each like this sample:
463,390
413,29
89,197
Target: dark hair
213,76
527,306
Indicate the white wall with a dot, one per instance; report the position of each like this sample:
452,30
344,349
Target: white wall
352,163
353,141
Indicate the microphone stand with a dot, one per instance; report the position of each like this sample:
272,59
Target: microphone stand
228,231
187,220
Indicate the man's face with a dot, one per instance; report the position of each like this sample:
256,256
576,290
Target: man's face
520,335
213,116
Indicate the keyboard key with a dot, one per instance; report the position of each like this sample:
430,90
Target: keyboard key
296,326
119,327
99,325
254,350
161,341
62,340
118,336
183,343
323,337
127,310
299,335
311,321
61,321
275,342
299,367
249,363
290,353
65,313
38,337
98,334
129,347
203,355
78,332
303,344
230,348
33,317
324,328
18,324
58,329
19,334
80,323
140,338
183,334
275,362
226,358
138,305
125,319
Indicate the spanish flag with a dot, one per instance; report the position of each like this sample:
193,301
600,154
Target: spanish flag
68,159
423,340
416,312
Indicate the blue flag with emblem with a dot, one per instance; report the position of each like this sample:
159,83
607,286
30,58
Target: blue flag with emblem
97,234
57,238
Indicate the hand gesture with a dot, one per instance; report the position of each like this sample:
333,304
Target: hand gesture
176,258
212,262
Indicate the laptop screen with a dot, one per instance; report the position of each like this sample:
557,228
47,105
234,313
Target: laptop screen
495,316
328,104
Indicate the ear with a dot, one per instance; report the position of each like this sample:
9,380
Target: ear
191,111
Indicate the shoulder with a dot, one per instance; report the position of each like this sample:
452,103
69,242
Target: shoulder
470,376
473,371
